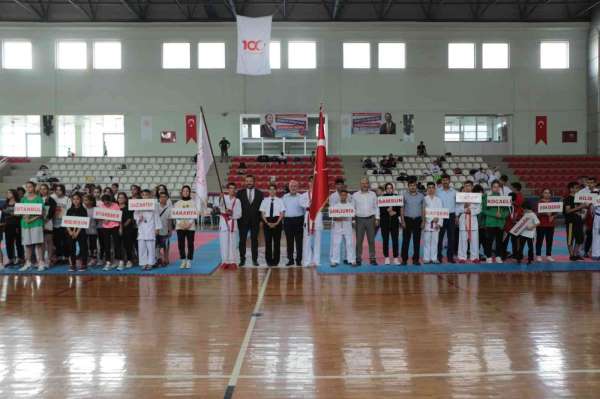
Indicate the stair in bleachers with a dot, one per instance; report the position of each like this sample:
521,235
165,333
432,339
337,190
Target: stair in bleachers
553,172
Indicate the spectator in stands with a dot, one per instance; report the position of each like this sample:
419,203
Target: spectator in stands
70,154
494,221
435,169
368,163
282,158
389,221
412,221
136,191
32,230
14,247
389,162
367,220
224,145
504,185
186,229
114,188
312,158
20,192
272,211
59,233
266,129
241,169
421,150
48,216
76,237
293,223
574,214
108,232
545,231
480,176
389,126
97,193
127,233
250,199
43,174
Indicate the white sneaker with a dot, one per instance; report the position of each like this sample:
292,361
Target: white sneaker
188,264
538,258
489,260
107,266
387,261
499,259
25,267
183,264
41,267
396,261
549,259
129,264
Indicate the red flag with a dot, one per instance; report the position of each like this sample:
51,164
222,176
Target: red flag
191,131
541,129
320,189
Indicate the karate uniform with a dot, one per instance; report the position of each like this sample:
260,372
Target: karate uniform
431,231
334,198
341,231
468,226
311,249
148,222
596,233
228,237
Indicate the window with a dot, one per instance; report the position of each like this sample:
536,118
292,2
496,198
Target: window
494,55
251,127
357,55
476,128
461,55
17,55
391,55
72,55
20,135
275,55
103,132
302,55
176,56
107,55
211,55
66,136
554,55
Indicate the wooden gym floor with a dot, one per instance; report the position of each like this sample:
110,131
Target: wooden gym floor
290,333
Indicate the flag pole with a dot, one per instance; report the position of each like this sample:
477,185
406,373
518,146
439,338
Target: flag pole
211,150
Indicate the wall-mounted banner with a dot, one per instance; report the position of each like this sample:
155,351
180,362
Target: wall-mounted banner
191,129
383,123
541,129
291,126
168,136
254,37
569,136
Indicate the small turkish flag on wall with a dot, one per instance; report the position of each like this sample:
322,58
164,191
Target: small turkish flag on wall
541,129
191,131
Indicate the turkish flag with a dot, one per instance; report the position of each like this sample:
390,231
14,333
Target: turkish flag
191,129
320,190
541,129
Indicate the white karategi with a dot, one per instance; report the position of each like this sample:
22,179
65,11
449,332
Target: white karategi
596,233
468,230
228,237
341,231
334,198
431,230
311,247
148,222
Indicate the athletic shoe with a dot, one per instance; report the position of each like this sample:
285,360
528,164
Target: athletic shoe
129,264
189,264
437,262
121,266
107,266
72,268
538,258
549,259
396,261
183,264
489,260
333,264
499,260
386,261
25,267
41,267
374,262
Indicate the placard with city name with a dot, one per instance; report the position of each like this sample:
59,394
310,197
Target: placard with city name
550,207
470,198
439,213
112,215
142,204
76,222
585,198
499,200
341,211
384,201
28,209
184,213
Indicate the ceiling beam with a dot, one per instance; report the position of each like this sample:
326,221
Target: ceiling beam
536,5
209,9
337,6
81,9
29,8
230,4
587,9
132,10
386,8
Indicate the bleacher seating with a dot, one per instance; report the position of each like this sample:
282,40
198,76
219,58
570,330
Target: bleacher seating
420,167
553,172
145,171
297,168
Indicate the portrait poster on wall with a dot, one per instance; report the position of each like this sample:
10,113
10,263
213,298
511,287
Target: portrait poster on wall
378,123
168,136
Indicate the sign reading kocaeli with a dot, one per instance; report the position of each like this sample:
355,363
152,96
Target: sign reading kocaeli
499,200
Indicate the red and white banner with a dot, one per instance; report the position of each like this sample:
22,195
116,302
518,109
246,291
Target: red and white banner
541,129
520,226
28,209
107,214
499,200
191,128
184,213
439,213
585,198
320,193
254,37
385,201
550,207
75,222
468,198
142,204
341,211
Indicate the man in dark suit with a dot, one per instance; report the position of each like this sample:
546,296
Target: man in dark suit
250,199
389,126
266,129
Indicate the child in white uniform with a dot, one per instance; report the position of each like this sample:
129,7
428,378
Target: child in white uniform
432,226
311,248
528,235
149,226
341,229
468,227
231,211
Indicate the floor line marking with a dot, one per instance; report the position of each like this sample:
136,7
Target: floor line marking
235,374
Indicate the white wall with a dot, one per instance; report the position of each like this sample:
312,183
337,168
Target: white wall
425,88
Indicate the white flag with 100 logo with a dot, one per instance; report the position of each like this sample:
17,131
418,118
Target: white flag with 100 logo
254,37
